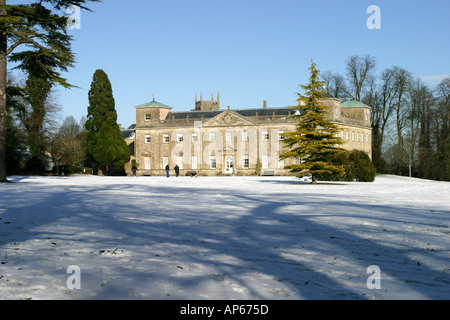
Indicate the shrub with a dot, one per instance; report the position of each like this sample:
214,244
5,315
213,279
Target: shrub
357,166
258,167
360,167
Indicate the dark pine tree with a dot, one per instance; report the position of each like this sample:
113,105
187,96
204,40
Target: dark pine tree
105,143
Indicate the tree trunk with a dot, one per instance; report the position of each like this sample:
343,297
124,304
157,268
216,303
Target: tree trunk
3,51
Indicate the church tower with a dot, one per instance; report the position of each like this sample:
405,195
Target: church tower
207,105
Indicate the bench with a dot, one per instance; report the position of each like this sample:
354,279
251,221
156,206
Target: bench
268,173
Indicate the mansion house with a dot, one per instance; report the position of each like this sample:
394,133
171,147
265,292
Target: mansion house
228,141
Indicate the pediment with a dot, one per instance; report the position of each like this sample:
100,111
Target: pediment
228,149
228,118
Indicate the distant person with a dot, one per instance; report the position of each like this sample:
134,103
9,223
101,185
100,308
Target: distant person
177,170
134,169
167,170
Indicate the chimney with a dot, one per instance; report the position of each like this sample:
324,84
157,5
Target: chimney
265,104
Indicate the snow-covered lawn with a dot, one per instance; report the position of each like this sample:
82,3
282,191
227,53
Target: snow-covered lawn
223,238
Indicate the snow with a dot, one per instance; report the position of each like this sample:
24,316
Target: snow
224,238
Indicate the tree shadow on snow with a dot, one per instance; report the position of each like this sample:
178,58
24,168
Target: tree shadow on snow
234,237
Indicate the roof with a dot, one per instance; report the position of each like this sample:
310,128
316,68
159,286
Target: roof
264,112
194,114
243,112
153,104
127,134
354,104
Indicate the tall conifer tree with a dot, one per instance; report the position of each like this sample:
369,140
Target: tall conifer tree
314,141
105,142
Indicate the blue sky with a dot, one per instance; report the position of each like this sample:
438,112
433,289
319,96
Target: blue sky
248,50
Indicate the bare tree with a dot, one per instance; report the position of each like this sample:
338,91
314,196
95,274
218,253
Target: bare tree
69,144
383,105
443,96
442,116
419,98
56,149
335,84
359,70
402,83
380,96
327,79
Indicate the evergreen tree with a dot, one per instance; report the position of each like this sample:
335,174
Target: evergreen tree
36,93
39,27
15,137
105,143
314,140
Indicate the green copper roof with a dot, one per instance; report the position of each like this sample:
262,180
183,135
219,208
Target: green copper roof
153,104
354,104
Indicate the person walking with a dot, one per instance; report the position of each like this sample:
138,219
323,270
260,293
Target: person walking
177,170
167,170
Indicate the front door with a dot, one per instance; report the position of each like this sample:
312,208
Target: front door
229,164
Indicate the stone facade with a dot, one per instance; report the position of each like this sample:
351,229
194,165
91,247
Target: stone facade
230,142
